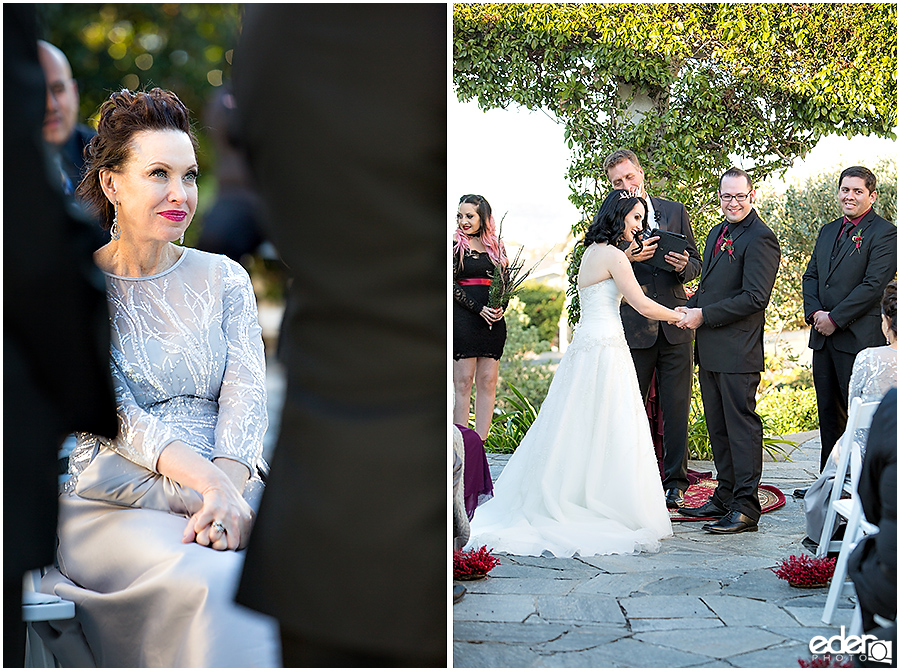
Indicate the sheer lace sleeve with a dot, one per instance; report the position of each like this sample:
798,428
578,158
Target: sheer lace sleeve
242,419
459,294
461,297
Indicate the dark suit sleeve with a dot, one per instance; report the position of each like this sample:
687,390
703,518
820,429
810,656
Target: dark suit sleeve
692,269
760,267
811,302
880,270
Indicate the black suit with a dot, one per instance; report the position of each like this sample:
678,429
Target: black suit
663,347
873,564
56,333
848,283
733,293
342,110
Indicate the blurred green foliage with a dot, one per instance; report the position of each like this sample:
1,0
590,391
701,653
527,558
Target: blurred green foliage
516,366
543,305
187,48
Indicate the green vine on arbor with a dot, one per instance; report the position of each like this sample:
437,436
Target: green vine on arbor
691,88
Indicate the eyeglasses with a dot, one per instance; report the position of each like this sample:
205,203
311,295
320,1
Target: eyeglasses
739,197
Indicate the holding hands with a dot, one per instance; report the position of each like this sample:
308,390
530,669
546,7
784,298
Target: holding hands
691,318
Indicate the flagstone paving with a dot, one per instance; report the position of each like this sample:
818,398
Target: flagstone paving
702,601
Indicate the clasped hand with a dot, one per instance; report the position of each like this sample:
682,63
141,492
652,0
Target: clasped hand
222,503
823,324
491,315
691,318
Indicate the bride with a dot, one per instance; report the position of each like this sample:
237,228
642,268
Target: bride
584,479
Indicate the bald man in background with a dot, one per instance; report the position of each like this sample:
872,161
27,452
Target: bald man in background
61,129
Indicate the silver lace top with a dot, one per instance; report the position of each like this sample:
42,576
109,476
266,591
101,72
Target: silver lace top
874,373
187,363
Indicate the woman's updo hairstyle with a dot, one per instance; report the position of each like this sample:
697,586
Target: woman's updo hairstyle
889,305
609,222
121,116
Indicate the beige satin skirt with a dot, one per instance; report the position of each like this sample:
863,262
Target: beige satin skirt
145,599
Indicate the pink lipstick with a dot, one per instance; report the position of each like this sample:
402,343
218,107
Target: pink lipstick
174,215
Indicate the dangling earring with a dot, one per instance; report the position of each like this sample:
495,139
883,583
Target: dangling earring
114,229
181,239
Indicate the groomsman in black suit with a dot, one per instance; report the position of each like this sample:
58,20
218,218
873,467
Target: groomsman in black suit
659,346
854,259
740,262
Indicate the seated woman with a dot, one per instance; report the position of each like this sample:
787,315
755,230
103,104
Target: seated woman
874,372
152,588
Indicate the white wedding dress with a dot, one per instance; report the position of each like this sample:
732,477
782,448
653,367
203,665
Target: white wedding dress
584,480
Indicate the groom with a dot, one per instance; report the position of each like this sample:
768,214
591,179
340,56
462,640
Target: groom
740,262
657,346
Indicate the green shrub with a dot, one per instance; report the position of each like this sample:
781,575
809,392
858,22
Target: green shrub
509,428
543,305
790,409
775,420
516,366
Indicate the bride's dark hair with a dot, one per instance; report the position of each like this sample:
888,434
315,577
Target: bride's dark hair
609,222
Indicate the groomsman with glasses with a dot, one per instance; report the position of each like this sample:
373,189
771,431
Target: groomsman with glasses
740,262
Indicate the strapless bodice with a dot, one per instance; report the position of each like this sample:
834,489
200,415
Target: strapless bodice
600,321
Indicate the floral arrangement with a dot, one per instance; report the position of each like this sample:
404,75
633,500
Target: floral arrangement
473,564
824,662
858,240
728,246
806,571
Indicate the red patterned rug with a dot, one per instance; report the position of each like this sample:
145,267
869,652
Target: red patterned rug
770,498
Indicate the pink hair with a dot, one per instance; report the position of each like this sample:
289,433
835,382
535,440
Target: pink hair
492,244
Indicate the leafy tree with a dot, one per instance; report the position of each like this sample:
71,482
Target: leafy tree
691,88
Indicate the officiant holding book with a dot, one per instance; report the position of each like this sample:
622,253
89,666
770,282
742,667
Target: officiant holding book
658,346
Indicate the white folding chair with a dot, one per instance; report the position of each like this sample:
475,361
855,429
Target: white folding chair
850,458
40,607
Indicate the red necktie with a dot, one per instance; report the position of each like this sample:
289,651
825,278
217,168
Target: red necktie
721,239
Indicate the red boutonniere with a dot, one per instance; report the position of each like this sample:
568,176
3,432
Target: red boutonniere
858,240
728,246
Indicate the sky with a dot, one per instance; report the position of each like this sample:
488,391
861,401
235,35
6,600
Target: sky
517,160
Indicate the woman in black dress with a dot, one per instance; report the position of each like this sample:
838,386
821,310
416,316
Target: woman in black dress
479,331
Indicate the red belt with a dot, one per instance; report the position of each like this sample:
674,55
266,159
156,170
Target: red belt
474,280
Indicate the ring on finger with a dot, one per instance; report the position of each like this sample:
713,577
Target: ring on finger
218,526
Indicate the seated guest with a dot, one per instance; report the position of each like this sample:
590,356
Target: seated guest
874,372
153,588
873,564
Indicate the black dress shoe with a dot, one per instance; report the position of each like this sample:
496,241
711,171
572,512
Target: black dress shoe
800,493
458,593
674,498
733,523
708,509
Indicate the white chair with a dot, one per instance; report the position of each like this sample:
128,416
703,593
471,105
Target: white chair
849,459
40,607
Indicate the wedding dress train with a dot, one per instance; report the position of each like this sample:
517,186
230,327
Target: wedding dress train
584,480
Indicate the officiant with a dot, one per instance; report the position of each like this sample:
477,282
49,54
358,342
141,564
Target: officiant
659,347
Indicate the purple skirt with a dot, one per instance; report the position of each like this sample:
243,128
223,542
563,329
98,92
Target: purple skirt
477,485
